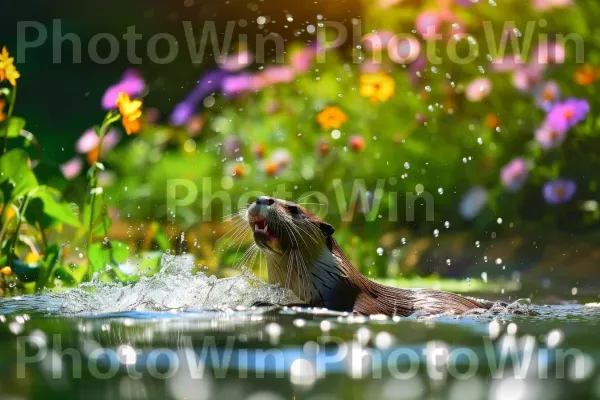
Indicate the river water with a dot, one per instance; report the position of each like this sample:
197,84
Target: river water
183,336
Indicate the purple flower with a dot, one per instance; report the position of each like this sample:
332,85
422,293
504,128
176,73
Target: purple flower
546,95
559,191
182,113
131,83
209,83
232,147
567,114
473,202
514,174
237,84
548,137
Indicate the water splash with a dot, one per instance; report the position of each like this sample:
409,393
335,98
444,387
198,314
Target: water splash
175,287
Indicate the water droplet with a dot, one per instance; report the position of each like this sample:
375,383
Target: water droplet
380,251
440,191
436,233
447,224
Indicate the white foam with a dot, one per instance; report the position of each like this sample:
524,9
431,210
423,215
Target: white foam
173,288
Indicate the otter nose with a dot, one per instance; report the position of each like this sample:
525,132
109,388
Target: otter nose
265,200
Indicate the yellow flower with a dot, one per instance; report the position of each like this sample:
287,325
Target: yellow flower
32,258
7,68
130,111
6,271
331,118
377,86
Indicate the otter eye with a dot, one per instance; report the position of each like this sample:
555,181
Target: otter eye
293,210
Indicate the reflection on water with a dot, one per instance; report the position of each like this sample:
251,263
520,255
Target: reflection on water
172,337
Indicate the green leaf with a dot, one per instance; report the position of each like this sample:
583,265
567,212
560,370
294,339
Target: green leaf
112,254
66,275
50,264
56,209
100,220
14,167
13,125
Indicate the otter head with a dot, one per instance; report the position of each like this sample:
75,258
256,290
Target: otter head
281,227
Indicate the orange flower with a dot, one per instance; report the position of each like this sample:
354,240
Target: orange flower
239,170
492,121
6,271
377,86
130,112
331,118
8,70
92,155
2,105
586,75
270,168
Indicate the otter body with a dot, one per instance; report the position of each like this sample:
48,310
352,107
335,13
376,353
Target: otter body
302,255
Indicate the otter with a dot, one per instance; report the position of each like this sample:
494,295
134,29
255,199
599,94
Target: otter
302,255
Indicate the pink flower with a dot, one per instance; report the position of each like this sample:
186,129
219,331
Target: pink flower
549,53
370,67
131,83
384,4
543,5
89,141
404,50
71,168
278,74
301,60
237,61
478,89
548,137
428,24
514,174
527,77
377,41
507,63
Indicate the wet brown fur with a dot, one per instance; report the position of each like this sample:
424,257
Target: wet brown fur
317,270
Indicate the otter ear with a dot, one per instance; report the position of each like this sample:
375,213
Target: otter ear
326,229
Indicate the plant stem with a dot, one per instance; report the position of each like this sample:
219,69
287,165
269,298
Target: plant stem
93,187
18,227
10,111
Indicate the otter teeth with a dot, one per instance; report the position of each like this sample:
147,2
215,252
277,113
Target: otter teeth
258,229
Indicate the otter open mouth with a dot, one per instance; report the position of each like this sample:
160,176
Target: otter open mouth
261,230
